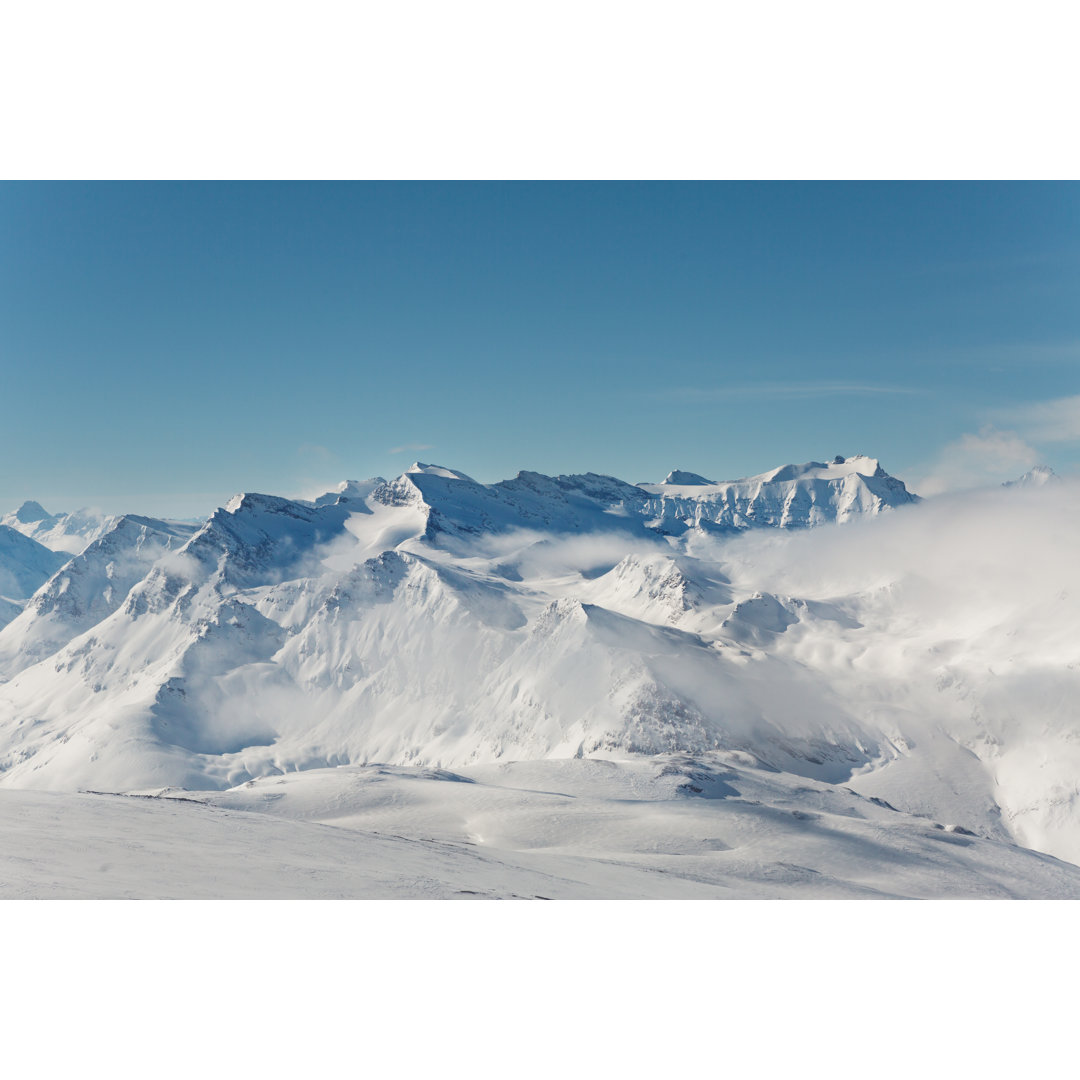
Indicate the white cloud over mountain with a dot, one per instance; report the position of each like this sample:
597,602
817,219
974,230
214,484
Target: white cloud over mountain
1057,420
975,460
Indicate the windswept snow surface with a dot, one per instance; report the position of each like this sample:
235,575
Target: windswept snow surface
524,660
666,827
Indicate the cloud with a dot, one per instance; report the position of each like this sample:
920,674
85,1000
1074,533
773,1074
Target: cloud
1057,420
781,389
409,447
964,561
1002,453
974,461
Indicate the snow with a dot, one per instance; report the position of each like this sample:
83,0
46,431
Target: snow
25,564
68,533
88,588
791,496
666,827
349,489
419,468
576,636
679,478
1036,477
858,465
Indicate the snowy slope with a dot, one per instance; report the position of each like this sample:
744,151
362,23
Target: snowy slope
25,564
924,654
661,828
92,585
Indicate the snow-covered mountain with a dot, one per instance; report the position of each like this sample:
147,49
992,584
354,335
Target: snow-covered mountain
279,623
60,532
434,622
792,496
25,565
88,588
1039,476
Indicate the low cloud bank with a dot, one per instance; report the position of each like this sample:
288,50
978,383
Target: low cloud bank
969,559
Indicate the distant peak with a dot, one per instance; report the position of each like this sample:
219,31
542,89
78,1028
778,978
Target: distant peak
1039,476
839,466
420,468
686,479
31,511
860,463
349,489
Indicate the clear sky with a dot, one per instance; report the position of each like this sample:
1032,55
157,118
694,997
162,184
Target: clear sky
165,345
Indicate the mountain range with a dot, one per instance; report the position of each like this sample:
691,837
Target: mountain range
816,624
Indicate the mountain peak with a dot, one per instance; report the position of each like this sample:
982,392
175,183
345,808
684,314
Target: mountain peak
31,512
419,467
836,469
1039,476
349,489
686,479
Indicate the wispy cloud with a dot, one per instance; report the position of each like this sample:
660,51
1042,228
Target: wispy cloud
409,447
780,389
1057,420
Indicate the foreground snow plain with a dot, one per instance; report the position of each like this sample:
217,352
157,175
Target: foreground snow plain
666,827
802,684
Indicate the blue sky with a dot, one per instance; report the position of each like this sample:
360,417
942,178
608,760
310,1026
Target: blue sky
164,345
